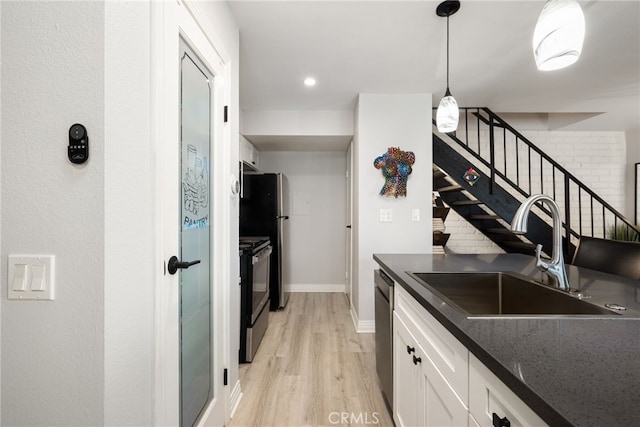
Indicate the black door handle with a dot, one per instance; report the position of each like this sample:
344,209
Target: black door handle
410,349
500,422
417,360
175,264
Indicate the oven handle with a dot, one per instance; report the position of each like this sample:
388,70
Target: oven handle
261,255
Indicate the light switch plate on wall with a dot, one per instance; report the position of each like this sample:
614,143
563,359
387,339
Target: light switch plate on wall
31,277
386,215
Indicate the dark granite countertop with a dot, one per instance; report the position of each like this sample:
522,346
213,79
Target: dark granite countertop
582,371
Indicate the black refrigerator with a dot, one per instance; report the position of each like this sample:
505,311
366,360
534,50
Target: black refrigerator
264,211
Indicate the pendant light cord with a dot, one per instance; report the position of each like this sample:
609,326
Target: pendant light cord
447,52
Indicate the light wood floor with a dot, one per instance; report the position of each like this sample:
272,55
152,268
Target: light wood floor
312,369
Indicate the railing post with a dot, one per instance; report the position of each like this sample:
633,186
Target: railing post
567,215
492,154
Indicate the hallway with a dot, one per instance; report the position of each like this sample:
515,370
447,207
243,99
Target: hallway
312,369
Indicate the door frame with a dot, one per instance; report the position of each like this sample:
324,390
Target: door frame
349,231
169,21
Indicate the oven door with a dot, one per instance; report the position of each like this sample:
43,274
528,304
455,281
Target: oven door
260,282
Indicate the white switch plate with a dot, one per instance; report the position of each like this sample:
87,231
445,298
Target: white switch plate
386,215
31,277
415,215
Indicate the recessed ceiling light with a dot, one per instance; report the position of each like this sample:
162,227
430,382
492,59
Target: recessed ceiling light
309,81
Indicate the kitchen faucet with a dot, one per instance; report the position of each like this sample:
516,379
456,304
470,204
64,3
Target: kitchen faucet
555,267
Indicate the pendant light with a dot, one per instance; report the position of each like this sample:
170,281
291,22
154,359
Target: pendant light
558,36
448,114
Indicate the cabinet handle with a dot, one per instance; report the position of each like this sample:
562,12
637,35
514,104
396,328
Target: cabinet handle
500,422
417,360
411,350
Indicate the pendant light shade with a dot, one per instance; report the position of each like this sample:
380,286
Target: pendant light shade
448,113
559,34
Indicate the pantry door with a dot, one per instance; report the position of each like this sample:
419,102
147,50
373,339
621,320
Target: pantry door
191,323
194,267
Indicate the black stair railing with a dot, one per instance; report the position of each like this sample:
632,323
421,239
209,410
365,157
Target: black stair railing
508,157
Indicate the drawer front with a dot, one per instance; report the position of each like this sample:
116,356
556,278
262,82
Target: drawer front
488,395
447,354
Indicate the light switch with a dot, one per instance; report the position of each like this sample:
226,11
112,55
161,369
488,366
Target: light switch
19,277
415,215
386,215
31,277
37,278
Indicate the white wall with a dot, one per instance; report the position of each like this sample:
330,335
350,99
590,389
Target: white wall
87,358
316,246
53,351
383,121
298,123
633,157
132,267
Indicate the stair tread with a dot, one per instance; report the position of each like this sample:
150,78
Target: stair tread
467,202
437,173
449,188
440,212
487,216
498,230
440,238
520,245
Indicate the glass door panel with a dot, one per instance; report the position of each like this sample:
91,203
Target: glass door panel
196,358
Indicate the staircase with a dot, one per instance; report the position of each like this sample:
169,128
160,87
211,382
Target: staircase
477,213
510,169
440,212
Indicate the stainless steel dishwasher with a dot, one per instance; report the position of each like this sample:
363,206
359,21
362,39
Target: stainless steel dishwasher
384,333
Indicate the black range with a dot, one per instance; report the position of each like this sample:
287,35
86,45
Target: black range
255,254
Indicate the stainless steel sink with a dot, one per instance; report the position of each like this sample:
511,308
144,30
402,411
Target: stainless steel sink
505,294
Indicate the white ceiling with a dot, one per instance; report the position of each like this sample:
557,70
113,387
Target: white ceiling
364,46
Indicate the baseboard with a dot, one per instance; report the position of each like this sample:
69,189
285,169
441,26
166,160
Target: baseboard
306,287
362,326
366,326
234,399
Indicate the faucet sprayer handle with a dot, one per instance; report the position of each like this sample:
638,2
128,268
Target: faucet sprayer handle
539,263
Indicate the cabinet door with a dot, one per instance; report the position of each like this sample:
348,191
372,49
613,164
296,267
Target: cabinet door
422,397
406,377
488,396
441,406
248,153
255,157
449,355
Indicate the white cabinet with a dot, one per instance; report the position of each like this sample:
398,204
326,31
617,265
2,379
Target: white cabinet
248,154
406,376
449,356
437,382
422,394
489,398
